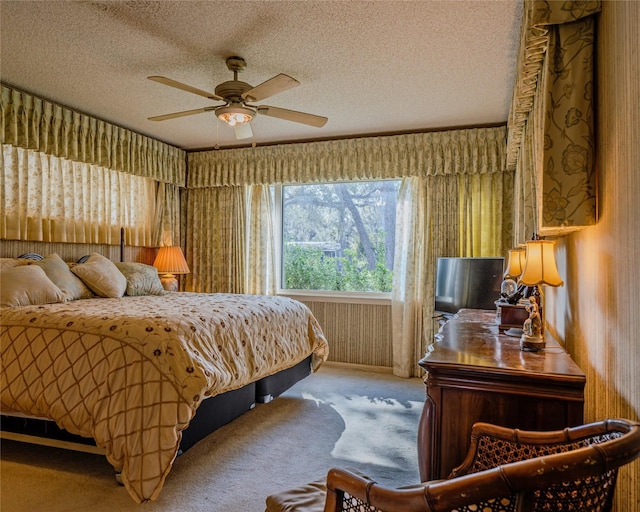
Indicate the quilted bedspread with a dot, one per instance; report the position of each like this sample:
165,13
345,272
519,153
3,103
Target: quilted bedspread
131,372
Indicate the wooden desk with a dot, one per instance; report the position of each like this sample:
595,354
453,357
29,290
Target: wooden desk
475,373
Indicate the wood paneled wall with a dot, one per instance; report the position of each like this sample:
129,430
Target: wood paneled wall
597,313
357,333
72,252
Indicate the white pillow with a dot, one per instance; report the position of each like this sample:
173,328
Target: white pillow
27,285
101,276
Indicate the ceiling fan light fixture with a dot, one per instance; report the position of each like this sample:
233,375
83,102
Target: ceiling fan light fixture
235,114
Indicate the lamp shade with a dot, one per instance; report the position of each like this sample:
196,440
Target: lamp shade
170,260
540,264
515,263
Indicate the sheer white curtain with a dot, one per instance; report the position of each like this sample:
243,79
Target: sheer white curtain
261,256
52,199
408,275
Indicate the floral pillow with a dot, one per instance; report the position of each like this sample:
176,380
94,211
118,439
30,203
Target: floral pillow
141,279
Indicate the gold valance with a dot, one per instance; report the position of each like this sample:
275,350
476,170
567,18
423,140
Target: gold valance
469,151
551,136
538,16
40,125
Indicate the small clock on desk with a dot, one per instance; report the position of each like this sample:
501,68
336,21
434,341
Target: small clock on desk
510,314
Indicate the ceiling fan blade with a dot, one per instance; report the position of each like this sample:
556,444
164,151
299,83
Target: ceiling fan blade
243,131
181,114
271,87
293,115
185,87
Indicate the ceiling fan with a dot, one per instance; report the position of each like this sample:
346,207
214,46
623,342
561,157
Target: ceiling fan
236,110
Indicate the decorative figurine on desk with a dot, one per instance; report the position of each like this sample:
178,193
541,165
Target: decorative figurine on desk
532,338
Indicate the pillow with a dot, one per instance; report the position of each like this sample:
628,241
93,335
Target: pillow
27,285
141,279
101,276
12,262
58,271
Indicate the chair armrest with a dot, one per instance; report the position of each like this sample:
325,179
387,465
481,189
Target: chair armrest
433,496
341,480
367,491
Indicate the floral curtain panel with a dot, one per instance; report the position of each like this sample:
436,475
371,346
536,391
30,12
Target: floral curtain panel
485,207
167,216
215,239
552,110
51,199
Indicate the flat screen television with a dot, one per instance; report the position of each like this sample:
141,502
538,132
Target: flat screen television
472,283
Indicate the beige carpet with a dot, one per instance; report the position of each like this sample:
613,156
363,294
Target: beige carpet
340,417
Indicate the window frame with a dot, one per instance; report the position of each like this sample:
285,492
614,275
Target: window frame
381,298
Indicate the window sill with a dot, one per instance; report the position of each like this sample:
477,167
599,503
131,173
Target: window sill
378,298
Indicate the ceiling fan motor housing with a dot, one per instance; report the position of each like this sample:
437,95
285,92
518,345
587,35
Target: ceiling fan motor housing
232,90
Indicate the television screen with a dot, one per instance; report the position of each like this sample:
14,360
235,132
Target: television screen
472,283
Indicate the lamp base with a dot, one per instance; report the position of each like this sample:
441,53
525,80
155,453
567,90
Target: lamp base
169,282
532,343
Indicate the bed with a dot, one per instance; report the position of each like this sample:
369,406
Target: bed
130,372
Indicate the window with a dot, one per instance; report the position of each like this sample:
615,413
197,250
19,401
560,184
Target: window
338,237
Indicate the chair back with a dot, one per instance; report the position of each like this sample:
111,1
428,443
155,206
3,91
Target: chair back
510,470
572,469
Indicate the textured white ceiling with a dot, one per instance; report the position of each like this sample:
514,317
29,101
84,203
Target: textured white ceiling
369,66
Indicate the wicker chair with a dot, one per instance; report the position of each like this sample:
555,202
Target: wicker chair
574,469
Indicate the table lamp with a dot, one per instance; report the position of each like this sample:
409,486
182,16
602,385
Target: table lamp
515,263
540,268
170,261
